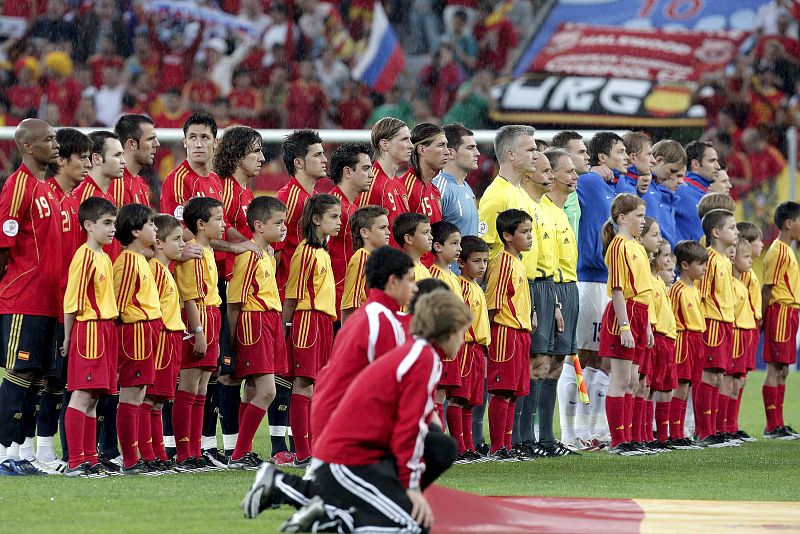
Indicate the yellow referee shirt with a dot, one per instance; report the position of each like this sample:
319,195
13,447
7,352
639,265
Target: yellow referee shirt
507,292
253,283
90,286
546,238
136,292
311,280
629,270
168,296
354,294
197,279
782,273
745,318
567,244
479,332
447,276
716,288
498,197
686,307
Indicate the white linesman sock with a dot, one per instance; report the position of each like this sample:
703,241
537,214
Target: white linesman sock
567,392
45,449
583,411
26,451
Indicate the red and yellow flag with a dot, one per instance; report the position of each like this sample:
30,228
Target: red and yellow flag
583,393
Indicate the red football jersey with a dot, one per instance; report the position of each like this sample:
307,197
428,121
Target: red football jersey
235,200
31,226
66,94
387,192
385,412
203,92
294,196
72,235
340,246
182,184
425,199
115,194
137,190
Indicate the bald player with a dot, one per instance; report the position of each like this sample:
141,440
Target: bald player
30,263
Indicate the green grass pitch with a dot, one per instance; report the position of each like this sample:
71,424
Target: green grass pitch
209,502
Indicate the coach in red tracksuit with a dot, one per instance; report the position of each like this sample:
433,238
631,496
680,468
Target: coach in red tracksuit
372,448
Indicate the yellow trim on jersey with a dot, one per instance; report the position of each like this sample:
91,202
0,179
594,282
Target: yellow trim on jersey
20,187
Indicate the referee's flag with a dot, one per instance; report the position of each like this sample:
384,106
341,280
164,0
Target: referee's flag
583,393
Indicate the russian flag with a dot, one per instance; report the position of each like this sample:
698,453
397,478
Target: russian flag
383,60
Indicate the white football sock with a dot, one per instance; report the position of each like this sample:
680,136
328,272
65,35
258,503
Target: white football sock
26,451
567,391
597,419
169,442
45,449
208,442
13,451
229,441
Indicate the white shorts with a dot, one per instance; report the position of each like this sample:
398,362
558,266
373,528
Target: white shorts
594,299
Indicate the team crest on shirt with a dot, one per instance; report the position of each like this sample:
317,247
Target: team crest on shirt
11,227
179,213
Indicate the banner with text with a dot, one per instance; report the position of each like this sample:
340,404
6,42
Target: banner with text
645,54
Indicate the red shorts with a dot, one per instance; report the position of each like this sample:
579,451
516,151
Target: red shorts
745,343
136,343
664,376
780,333
210,321
646,365
753,349
92,362
718,350
311,336
260,344
610,346
688,352
166,364
472,371
508,367
451,370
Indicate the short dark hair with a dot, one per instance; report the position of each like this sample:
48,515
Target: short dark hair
93,209
455,133
199,209
602,143
786,211
165,225
562,139
262,209
364,218
406,224
748,231
296,146
385,262
347,155
98,139
689,251
236,143
696,150
424,287
509,220
201,118
441,232
470,244
70,142
714,220
315,205
131,217
130,127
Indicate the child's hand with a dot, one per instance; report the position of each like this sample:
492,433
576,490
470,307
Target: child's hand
65,347
559,320
651,339
534,322
626,338
244,246
200,345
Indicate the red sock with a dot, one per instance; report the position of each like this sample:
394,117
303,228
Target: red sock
738,405
651,415
628,414
440,412
677,414
722,413
779,403
196,429
90,440
250,421
298,418
157,433
73,427
615,413
714,409
769,394
466,427
704,410
182,424
662,410
454,426
732,417
146,433
636,426
498,409
512,404
242,407
128,432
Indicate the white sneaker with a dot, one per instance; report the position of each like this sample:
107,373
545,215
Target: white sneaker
55,467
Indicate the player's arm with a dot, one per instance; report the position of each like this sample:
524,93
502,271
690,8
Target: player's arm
345,313
234,309
766,294
621,311
69,322
244,267
3,261
289,306
236,247
196,327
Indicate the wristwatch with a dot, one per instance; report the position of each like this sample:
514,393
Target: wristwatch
197,330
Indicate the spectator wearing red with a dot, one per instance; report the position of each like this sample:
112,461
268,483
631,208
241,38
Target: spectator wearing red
105,57
761,162
790,45
496,39
176,58
199,92
25,95
281,60
275,96
169,111
442,78
246,101
353,108
307,103
60,88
